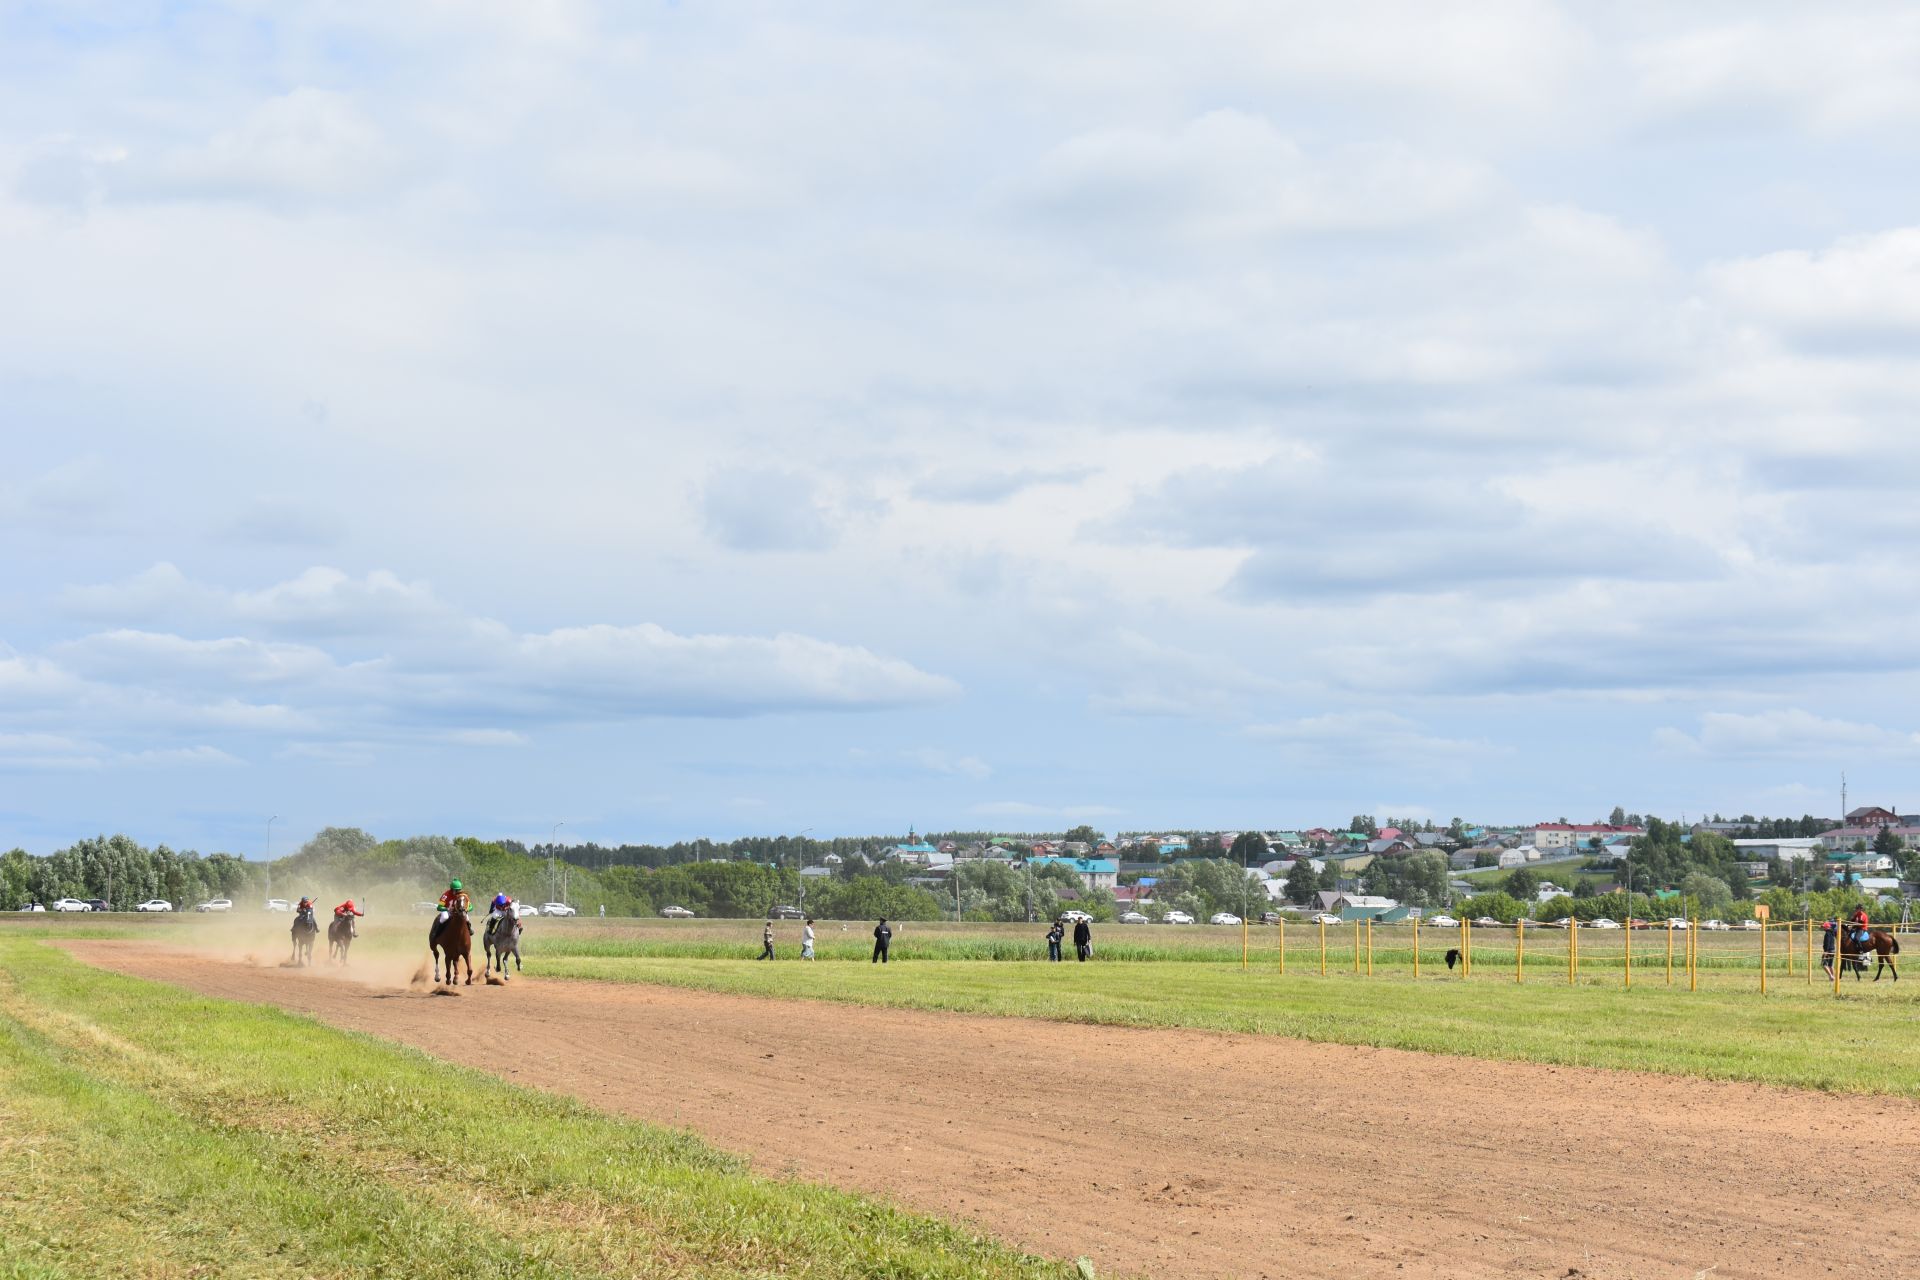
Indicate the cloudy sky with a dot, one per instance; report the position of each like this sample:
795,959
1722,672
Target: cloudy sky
700,420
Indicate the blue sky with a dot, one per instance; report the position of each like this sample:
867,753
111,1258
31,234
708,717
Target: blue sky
700,420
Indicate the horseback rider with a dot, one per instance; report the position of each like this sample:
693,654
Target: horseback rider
303,913
502,907
348,912
454,897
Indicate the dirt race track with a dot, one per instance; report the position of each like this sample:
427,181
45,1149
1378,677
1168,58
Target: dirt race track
1177,1153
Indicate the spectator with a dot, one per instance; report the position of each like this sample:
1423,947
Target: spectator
1082,939
766,941
806,939
1828,933
1055,936
882,939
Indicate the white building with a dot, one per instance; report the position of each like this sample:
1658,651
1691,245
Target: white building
1787,850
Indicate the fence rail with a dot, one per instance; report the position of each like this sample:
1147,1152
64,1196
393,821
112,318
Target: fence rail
1779,950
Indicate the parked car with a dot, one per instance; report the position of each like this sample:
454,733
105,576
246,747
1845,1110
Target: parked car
526,909
1223,917
1176,917
32,906
278,904
155,904
1075,917
1269,917
676,913
1564,922
98,904
557,909
1603,923
216,904
1132,917
1444,922
1324,918
1486,922
1750,924
784,912
1716,925
70,904
1675,922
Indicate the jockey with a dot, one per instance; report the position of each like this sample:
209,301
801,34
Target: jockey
502,906
304,910
455,896
347,911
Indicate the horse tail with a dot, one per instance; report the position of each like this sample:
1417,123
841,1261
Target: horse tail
1896,942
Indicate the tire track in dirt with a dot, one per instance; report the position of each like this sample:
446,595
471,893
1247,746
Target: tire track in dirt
1185,1153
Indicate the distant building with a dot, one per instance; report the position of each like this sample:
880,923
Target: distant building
1568,835
1787,850
1094,873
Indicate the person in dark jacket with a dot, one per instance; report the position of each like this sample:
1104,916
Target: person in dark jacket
766,942
882,939
1082,939
1055,936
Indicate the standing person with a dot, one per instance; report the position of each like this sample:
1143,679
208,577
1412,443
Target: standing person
1827,932
1055,935
1082,939
882,939
766,941
806,939
603,911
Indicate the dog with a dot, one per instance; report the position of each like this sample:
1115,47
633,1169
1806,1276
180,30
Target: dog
1453,956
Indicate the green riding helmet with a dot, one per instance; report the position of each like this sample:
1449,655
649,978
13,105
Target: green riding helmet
454,885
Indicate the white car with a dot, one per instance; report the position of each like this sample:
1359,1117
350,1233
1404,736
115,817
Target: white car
1718,926
525,909
557,909
1564,922
1132,917
155,904
1486,922
676,913
1223,917
216,904
1176,917
33,906
1603,923
71,904
1075,917
1324,918
278,904
1750,924
1444,922
1675,922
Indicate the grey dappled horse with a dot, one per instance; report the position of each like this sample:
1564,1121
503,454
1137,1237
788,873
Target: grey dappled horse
503,939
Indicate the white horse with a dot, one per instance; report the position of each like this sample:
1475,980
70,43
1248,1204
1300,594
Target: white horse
502,939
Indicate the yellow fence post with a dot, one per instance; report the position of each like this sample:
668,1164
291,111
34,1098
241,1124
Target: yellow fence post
1626,938
1573,948
1283,944
1669,953
1323,948
1356,947
1693,965
1763,957
1369,946
1809,948
1243,941
1519,951
1839,953
1466,950
1416,946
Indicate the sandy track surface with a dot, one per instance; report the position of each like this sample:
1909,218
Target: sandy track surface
1187,1154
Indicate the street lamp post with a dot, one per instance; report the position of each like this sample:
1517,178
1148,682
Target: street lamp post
553,837
802,838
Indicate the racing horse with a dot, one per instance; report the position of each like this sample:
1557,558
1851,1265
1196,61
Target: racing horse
455,942
340,936
1879,943
304,929
502,939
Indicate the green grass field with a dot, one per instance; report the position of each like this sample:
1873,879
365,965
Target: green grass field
145,1131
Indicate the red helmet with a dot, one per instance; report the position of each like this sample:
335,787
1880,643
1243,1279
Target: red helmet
349,904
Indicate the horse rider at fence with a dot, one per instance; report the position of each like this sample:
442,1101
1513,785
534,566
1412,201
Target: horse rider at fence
350,913
454,897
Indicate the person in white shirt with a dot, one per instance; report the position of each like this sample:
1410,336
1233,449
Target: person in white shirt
806,940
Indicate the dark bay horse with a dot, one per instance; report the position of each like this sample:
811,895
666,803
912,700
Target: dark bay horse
304,929
455,942
1880,944
502,939
340,935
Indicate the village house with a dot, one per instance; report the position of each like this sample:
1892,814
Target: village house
1094,873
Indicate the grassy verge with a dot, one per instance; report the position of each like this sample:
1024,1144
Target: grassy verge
146,1131
1797,1036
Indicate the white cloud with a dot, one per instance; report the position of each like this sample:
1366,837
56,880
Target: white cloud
1371,739
484,738
1789,733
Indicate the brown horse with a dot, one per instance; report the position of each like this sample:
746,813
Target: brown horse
304,927
340,935
1880,944
455,941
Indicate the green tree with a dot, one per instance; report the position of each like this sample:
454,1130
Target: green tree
1302,881
1887,845
1363,824
1083,834
1250,849
1523,884
1710,891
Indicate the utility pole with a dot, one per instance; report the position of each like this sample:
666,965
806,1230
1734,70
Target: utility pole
553,838
269,854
